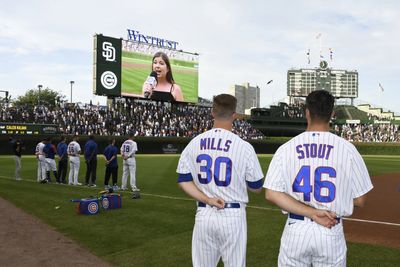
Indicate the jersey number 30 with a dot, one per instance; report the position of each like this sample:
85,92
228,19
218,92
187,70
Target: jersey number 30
206,169
302,184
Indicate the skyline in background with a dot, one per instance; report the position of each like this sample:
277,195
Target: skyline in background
51,43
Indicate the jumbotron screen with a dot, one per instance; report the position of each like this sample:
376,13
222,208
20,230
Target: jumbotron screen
123,67
137,64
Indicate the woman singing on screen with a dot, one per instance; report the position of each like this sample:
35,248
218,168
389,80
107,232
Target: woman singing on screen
165,89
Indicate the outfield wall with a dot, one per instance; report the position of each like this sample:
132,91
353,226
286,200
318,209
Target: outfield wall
174,145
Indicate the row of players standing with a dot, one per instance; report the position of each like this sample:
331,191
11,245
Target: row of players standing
46,153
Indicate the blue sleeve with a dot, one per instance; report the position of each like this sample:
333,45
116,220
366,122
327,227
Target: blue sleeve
255,185
185,177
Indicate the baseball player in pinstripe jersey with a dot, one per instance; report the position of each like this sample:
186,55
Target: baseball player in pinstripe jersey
74,149
316,171
216,168
41,172
128,151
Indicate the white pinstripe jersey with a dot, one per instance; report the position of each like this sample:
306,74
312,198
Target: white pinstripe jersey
128,148
220,163
73,148
39,148
321,170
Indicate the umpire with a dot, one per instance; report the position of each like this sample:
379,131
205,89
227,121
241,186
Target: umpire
91,161
63,160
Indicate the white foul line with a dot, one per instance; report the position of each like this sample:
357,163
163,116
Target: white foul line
252,207
369,221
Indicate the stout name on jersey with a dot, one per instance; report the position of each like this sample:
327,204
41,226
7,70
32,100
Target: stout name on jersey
313,151
213,144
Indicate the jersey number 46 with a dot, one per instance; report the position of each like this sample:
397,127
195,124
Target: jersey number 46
302,184
207,171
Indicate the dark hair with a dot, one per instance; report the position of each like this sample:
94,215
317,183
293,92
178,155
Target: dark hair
164,57
224,106
320,105
91,137
111,140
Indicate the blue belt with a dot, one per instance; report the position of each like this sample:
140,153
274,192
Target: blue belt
301,217
227,205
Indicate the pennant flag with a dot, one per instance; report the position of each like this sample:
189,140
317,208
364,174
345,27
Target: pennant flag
380,86
318,36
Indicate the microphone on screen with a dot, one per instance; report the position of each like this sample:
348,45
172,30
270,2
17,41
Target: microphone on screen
152,81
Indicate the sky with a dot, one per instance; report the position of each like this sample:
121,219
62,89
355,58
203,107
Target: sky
51,42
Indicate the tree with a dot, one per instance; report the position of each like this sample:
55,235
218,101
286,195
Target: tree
46,97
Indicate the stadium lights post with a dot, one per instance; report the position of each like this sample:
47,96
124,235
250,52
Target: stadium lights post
72,83
6,98
40,88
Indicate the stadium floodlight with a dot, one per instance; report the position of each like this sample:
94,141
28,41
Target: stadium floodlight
40,88
72,83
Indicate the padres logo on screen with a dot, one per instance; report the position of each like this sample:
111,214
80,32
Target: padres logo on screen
108,80
108,51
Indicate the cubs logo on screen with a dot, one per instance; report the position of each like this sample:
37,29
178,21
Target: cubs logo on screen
108,80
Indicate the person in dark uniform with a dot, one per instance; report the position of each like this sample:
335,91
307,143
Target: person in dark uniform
90,150
17,147
63,160
165,89
110,156
50,152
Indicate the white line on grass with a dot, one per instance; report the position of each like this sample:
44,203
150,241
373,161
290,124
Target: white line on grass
250,206
369,221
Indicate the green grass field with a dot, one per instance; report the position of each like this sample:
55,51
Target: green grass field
156,230
185,75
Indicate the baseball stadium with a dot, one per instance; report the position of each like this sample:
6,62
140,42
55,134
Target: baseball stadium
55,221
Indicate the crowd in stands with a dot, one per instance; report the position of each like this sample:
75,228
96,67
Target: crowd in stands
144,118
369,132
150,118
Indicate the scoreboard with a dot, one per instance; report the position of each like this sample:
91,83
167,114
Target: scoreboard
340,83
27,129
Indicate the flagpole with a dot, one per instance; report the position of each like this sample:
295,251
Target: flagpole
320,48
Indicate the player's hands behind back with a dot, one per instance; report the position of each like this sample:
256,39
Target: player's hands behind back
324,218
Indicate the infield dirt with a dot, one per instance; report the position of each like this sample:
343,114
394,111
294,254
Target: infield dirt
383,205
26,241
